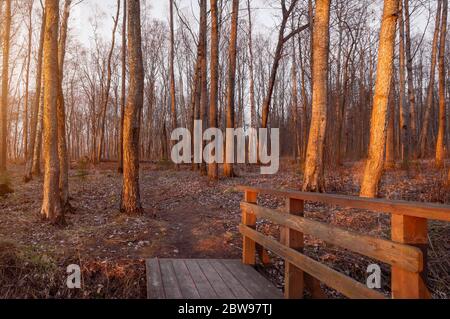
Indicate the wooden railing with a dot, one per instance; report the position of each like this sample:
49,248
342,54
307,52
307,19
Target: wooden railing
406,252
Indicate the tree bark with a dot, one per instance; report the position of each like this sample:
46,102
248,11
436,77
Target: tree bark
123,83
173,98
411,91
440,145
430,93
107,87
5,87
27,80
313,177
51,204
404,123
204,73
131,201
228,169
61,112
213,172
36,103
375,162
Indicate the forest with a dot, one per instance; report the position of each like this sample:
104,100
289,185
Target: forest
351,96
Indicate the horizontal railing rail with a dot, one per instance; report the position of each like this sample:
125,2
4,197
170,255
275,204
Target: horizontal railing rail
406,252
415,209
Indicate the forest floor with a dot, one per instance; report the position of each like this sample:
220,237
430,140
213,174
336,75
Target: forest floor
186,217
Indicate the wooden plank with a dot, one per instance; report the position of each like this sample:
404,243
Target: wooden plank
186,284
293,276
395,254
235,286
204,288
219,286
249,219
346,285
412,231
155,289
417,209
258,286
169,279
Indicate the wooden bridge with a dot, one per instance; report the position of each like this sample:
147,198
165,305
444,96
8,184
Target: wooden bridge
405,252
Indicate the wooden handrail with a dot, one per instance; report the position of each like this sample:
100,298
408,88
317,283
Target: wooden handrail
346,285
400,255
397,207
406,252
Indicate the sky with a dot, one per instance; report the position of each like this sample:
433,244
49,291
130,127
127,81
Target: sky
82,13
265,15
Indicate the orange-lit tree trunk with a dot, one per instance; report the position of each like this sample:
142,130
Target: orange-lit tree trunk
440,145
213,172
313,176
51,204
131,200
36,103
375,161
228,170
5,87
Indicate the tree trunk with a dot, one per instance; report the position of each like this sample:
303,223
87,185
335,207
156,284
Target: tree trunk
430,93
5,87
440,145
375,162
253,116
313,176
213,172
61,112
107,87
131,201
173,98
27,81
404,123
411,91
51,204
228,170
204,74
36,103
123,83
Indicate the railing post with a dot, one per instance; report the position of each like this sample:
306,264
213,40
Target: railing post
294,277
249,219
412,231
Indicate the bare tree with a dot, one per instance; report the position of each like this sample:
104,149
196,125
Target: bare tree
131,201
313,176
51,204
5,87
213,171
123,82
375,161
228,166
430,93
440,145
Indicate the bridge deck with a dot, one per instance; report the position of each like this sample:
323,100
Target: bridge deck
206,279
